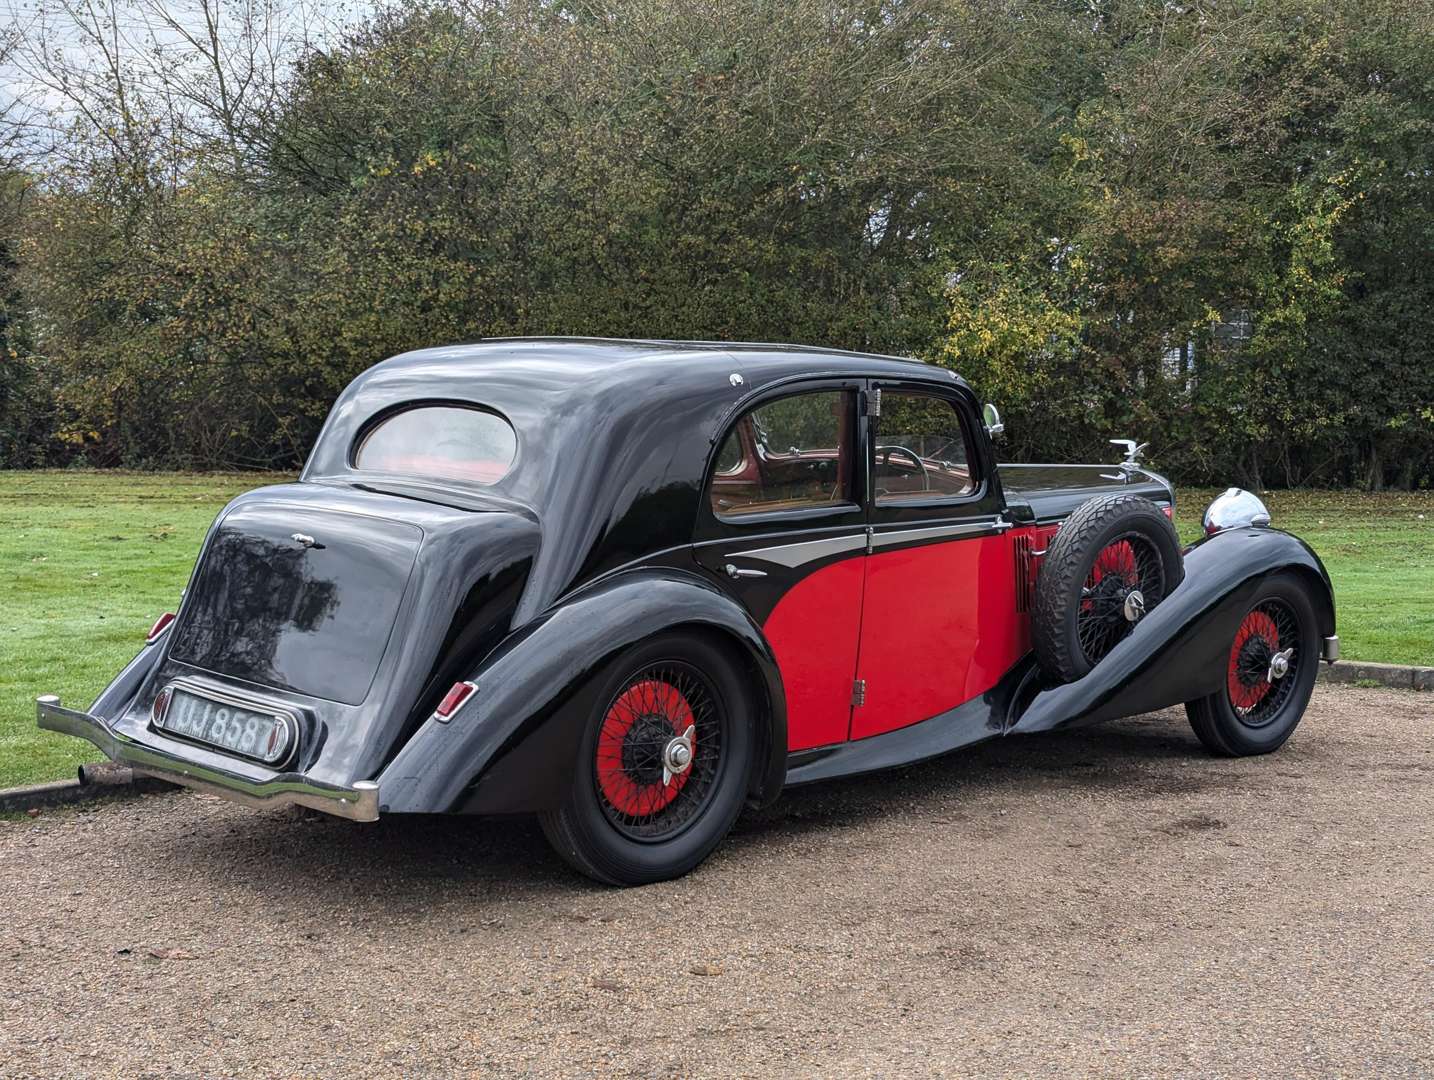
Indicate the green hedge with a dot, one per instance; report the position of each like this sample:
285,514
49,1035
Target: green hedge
1204,225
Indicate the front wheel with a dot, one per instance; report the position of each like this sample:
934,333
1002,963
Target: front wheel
662,767
1269,676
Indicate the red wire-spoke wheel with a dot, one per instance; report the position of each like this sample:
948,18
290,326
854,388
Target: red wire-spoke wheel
658,751
1256,699
1110,562
1125,581
1263,663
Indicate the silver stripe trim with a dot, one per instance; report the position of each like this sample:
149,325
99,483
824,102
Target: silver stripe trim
804,552
793,555
935,532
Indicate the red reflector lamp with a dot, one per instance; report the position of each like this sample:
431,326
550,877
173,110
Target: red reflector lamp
160,706
161,624
454,699
1169,512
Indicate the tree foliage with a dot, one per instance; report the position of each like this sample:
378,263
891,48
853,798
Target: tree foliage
1207,224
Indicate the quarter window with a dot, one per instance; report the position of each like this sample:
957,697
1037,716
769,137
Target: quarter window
451,441
920,450
790,454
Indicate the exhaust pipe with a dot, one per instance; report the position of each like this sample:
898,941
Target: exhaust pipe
105,774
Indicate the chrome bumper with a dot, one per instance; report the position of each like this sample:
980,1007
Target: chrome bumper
1329,649
358,803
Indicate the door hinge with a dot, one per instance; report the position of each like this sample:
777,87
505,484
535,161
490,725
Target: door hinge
858,692
873,402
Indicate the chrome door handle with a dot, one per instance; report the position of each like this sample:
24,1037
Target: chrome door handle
737,572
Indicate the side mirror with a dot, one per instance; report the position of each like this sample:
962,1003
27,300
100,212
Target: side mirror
992,416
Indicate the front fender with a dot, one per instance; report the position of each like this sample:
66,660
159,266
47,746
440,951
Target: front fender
511,747
1179,652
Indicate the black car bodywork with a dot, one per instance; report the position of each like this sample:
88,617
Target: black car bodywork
355,599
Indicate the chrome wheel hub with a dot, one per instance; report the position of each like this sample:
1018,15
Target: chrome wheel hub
677,756
1134,607
1279,665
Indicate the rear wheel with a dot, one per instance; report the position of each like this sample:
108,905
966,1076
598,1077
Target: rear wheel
662,767
1269,676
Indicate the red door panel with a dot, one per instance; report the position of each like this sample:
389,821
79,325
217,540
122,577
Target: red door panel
814,631
939,627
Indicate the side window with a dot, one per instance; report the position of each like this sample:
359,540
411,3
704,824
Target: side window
920,450
789,454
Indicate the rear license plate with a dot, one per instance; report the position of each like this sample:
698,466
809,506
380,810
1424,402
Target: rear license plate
251,733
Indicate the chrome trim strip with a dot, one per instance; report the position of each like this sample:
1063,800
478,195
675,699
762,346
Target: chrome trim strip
804,551
937,532
1329,649
358,802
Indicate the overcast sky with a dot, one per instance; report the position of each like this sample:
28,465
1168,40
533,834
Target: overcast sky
140,26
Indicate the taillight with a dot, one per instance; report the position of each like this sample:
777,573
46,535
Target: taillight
452,701
160,706
161,624
1169,512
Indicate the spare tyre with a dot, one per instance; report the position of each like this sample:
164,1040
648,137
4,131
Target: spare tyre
1112,561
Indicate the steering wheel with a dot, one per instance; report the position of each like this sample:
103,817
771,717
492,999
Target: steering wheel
887,451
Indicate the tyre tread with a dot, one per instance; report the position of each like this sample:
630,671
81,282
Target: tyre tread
1063,573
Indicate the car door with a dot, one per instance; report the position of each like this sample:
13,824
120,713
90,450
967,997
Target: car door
782,527
939,623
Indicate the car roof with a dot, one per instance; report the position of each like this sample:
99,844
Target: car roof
614,359
614,436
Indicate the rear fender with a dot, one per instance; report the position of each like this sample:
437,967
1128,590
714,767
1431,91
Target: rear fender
1179,652
511,746
116,697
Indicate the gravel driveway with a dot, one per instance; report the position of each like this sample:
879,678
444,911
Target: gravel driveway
1110,901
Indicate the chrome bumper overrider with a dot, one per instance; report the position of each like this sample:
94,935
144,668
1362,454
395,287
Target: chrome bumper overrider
358,803
1329,649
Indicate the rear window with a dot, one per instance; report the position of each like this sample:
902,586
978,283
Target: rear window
451,441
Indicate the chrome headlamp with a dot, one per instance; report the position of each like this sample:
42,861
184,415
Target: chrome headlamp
1235,509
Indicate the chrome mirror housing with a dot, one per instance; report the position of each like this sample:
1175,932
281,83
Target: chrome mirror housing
1235,509
992,417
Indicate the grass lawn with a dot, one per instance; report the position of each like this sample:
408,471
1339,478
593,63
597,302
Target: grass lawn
1379,551
90,559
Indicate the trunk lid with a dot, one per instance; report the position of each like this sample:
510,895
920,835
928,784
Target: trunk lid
298,598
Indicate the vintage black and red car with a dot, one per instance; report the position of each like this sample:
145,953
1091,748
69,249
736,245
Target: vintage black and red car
633,586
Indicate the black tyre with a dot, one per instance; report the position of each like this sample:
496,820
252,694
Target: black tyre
1112,561
1270,677
640,809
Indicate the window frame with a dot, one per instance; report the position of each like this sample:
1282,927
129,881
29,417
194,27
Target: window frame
982,499
852,510
967,441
